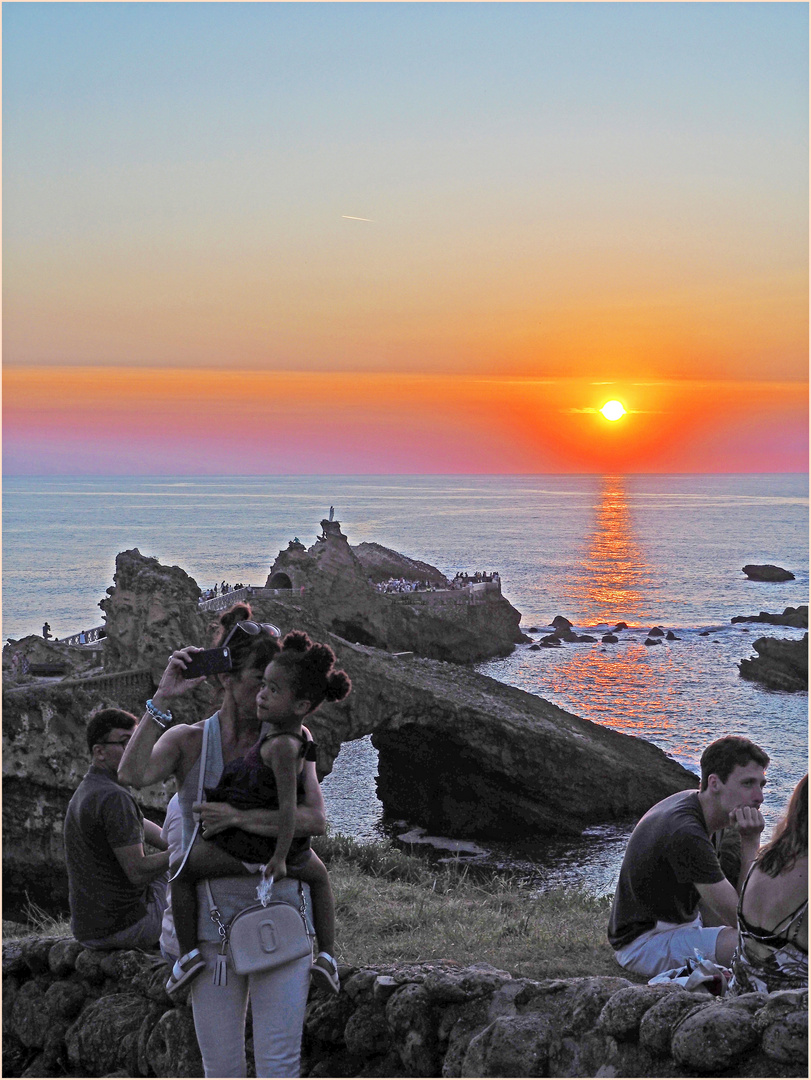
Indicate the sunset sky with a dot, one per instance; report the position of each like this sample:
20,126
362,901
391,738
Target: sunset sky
408,238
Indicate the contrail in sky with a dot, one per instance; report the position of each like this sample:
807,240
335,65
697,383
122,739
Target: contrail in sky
349,217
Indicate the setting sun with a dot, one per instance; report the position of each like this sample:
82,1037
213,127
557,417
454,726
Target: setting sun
613,410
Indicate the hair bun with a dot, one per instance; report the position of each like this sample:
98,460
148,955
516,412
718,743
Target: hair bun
338,685
322,657
297,641
236,614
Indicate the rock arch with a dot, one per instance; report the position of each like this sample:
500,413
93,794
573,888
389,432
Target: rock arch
280,580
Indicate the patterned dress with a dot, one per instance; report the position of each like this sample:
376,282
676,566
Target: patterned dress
768,960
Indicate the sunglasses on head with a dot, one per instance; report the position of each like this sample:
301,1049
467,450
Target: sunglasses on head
251,629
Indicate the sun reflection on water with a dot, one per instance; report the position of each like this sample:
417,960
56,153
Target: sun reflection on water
615,575
627,687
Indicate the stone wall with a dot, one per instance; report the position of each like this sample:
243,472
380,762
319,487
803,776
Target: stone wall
69,1011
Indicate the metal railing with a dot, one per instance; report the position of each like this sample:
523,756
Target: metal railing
85,637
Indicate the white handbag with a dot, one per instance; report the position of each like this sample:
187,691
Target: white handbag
261,938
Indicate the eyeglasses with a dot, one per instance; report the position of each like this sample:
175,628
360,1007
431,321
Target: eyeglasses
114,742
247,626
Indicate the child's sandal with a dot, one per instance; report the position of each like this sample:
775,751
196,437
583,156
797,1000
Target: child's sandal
185,969
324,973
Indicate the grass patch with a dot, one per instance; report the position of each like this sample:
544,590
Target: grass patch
392,906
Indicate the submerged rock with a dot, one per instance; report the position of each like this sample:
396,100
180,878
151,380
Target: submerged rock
781,664
767,572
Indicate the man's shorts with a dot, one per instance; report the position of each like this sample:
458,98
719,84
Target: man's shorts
146,932
668,945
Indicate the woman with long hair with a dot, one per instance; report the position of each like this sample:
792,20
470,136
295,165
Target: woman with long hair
772,952
158,751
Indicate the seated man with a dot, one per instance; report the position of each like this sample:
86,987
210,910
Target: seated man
671,866
117,893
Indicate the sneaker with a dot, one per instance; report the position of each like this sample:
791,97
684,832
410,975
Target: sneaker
186,969
324,973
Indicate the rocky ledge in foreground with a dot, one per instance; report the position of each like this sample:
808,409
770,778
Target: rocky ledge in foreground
781,664
72,1012
767,572
791,616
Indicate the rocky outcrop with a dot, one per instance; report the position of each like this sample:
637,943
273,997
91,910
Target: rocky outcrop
459,753
33,657
331,581
150,610
465,755
381,563
781,664
44,758
791,617
71,1012
767,572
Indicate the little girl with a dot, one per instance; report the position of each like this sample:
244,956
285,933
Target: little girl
295,682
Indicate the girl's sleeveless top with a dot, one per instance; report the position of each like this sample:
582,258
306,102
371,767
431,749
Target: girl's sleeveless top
247,783
231,894
769,960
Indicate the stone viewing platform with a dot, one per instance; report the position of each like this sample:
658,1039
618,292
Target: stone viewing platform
71,1011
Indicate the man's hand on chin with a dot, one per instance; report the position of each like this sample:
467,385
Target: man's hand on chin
749,821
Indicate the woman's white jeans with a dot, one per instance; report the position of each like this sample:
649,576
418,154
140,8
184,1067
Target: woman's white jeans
278,1000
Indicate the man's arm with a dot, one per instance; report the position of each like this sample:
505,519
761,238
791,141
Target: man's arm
154,836
310,815
140,868
722,899
750,825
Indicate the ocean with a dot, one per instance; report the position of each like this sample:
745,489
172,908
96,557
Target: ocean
643,549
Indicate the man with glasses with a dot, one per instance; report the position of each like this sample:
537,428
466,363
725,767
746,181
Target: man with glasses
117,893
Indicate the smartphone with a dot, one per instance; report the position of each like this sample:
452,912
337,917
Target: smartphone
208,662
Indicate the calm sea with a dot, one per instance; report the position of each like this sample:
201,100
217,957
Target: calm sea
646,550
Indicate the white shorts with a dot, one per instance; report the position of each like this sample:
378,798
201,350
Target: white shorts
668,945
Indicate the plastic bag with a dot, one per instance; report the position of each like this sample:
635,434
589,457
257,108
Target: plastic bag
264,889
699,976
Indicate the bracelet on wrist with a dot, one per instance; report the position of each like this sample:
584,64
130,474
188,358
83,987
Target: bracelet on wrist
162,719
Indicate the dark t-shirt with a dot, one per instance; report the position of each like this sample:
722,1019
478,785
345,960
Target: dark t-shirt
102,815
669,851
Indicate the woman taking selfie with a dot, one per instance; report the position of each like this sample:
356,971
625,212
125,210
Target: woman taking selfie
772,951
158,751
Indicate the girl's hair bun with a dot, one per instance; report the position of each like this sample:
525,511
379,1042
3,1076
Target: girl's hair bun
338,686
321,657
297,641
310,668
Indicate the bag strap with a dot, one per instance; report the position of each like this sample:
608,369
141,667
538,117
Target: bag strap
200,790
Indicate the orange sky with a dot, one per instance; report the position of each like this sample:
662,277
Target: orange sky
179,421
404,237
